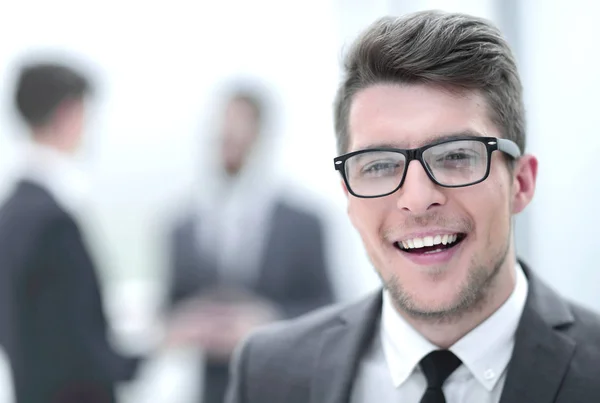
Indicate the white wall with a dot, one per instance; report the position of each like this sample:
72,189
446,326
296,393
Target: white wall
481,8
560,42
158,63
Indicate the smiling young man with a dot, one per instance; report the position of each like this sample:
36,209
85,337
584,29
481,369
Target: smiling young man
431,130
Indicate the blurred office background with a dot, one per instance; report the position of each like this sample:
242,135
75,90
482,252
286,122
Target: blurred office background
159,64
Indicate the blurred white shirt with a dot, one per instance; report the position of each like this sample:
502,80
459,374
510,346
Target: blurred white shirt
237,231
56,172
390,371
6,381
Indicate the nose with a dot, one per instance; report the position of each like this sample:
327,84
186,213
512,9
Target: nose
419,193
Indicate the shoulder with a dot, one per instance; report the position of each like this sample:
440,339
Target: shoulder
33,228
295,214
283,205
584,333
278,338
585,329
285,353
28,197
301,336
569,318
32,210
179,224
275,358
183,225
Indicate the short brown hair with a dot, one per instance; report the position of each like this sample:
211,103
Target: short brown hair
451,50
42,87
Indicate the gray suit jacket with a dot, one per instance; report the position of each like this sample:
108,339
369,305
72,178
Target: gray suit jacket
293,272
314,359
52,322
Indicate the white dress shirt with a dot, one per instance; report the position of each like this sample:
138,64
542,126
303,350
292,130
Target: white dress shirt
235,213
58,174
6,380
236,229
389,372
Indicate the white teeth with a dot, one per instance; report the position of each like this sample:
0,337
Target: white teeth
416,243
433,251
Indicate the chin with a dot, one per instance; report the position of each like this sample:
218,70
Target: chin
432,289
428,306
436,276
436,293
434,303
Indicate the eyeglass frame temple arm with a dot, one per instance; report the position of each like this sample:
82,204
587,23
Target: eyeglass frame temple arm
509,147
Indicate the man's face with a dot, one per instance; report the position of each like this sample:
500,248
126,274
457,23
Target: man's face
239,133
479,216
69,124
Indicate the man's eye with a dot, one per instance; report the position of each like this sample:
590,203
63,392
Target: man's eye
380,168
457,156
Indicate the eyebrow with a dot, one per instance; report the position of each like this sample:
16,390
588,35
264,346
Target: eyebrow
428,140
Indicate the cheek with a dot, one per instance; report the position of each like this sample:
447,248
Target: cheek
366,217
355,213
491,211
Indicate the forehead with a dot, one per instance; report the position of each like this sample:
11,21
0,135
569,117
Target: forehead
408,116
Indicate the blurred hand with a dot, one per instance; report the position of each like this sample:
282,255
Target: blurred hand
218,327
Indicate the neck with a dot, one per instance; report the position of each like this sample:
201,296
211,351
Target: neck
51,139
446,332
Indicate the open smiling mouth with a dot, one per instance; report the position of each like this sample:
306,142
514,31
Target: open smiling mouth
430,244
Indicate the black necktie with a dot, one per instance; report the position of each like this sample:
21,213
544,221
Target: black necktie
437,367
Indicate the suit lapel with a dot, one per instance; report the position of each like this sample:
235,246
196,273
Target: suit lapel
342,347
273,251
542,353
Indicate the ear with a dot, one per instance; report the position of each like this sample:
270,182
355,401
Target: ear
524,180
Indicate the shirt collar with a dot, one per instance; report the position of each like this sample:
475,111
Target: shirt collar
403,346
485,351
58,173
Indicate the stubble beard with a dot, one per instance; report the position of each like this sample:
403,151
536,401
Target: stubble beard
473,295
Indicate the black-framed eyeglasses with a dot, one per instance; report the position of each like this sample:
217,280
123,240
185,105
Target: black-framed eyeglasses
457,162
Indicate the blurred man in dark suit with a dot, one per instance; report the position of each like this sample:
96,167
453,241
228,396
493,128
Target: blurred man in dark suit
54,328
243,257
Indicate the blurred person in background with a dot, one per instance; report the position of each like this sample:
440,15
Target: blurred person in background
430,126
244,256
54,328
